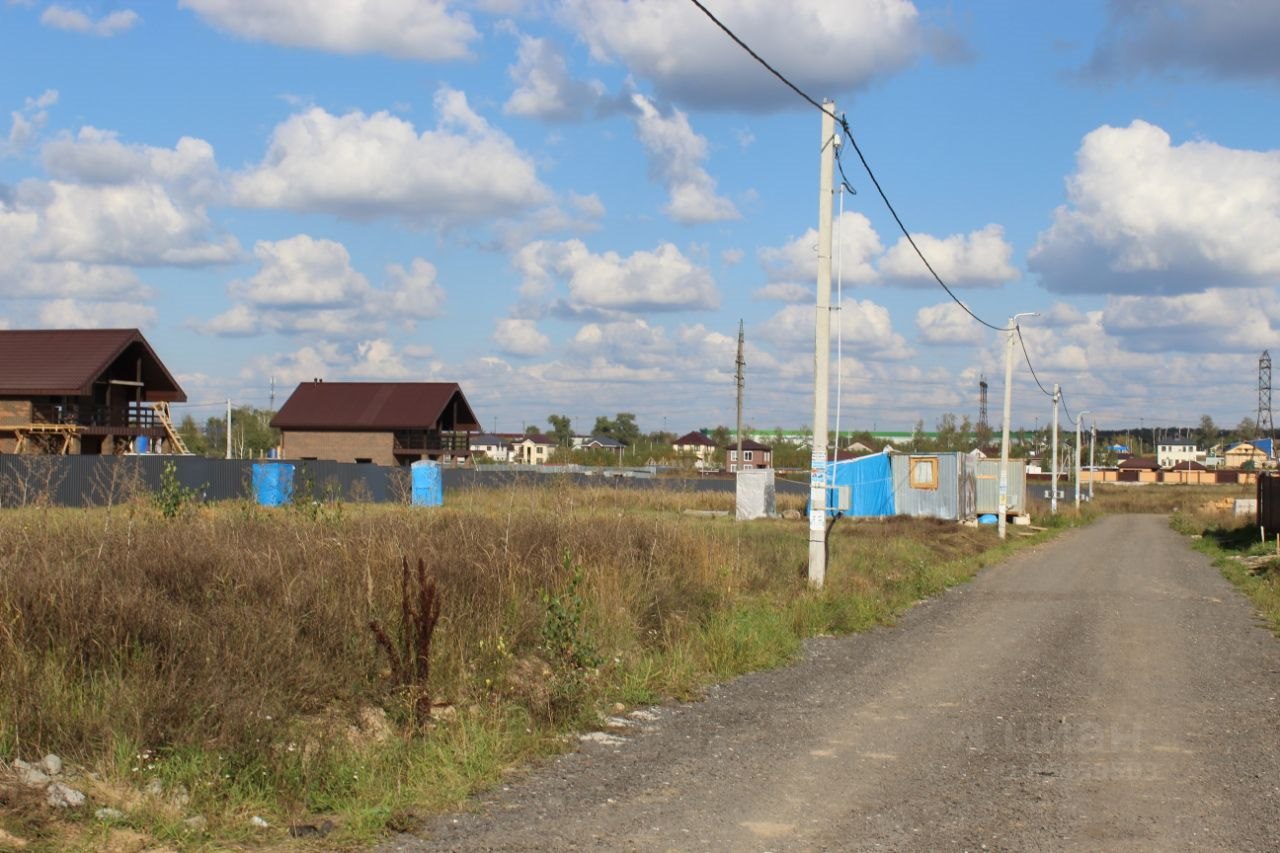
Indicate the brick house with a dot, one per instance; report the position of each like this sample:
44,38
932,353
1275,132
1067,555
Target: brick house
384,423
84,391
754,455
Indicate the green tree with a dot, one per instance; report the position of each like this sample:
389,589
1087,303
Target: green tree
1246,430
625,428
603,426
1207,434
947,433
561,429
192,437
251,435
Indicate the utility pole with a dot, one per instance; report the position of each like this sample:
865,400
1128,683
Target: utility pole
822,353
1079,420
1003,508
272,396
741,363
1093,470
1053,491
1263,420
228,429
982,403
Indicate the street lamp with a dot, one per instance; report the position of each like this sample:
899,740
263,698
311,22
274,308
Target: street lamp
1080,420
1004,429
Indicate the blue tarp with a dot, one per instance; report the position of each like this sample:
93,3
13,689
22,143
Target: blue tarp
870,482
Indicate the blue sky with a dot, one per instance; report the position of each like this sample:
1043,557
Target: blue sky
568,205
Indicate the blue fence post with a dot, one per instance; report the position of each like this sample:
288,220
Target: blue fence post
428,483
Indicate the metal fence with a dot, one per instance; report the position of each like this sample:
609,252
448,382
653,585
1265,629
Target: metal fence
83,481
1269,502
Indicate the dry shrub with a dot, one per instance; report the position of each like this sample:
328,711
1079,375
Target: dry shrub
219,630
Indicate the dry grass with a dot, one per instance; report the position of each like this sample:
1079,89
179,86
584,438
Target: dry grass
228,650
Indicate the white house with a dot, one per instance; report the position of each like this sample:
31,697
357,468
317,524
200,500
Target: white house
494,448
1168,455
532,449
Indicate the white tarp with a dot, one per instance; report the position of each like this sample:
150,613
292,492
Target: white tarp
756,496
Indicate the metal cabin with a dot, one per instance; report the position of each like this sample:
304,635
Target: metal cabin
935,485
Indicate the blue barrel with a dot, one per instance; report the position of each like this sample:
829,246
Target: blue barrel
428,484
141,445
273,483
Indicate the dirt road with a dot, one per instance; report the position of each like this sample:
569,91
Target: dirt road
1106,691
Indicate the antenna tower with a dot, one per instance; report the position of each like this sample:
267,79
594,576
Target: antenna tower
1263,419
982,402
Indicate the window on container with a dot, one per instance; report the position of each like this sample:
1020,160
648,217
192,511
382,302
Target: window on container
924,472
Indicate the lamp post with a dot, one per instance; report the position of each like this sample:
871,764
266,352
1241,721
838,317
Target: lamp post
1080,420
1053,488
1004,428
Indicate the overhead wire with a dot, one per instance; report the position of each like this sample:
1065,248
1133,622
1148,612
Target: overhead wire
844,127
848,133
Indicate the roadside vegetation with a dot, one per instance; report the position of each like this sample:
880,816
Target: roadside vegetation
1236,547
340,670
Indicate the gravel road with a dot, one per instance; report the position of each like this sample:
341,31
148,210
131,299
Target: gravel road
1105,691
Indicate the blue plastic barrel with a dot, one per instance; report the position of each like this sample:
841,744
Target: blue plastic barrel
141,444
273,483
428,483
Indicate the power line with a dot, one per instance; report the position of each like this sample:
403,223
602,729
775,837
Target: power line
844,126
1027,356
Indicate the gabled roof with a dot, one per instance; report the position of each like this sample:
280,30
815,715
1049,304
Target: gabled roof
1188,465
748,444
536,438
341,406
1140,463
695,438
488,439
602,441
67,362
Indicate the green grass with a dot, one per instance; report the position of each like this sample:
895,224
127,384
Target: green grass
226,654
1236,548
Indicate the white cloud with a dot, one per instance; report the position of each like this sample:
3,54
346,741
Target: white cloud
406,29
866,327
732,257
378,165
676,155
589,205
94,156
846,45
947,323
545,89
308,286
29,121
979,259
791,270
1148,216
1235,39
113,23
415,293
75,314
520,337
1217,321
136,224
369,359
661,280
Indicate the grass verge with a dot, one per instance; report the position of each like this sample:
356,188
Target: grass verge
201,668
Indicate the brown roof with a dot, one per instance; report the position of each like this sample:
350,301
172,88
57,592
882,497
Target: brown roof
694,437
748,444
67,362
1140,463
535,438
376,406
1188,465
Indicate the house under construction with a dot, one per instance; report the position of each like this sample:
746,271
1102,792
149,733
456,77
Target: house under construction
84,391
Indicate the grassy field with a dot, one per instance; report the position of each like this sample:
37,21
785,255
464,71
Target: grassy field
202,666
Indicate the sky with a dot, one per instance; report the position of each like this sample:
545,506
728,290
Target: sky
568,206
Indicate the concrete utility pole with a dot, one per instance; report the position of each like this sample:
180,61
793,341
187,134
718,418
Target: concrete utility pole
228,429
1079,420
1093,470
1003,507
1053,490
741,363
822,353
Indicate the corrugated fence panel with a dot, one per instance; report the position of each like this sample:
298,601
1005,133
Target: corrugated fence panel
102,480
